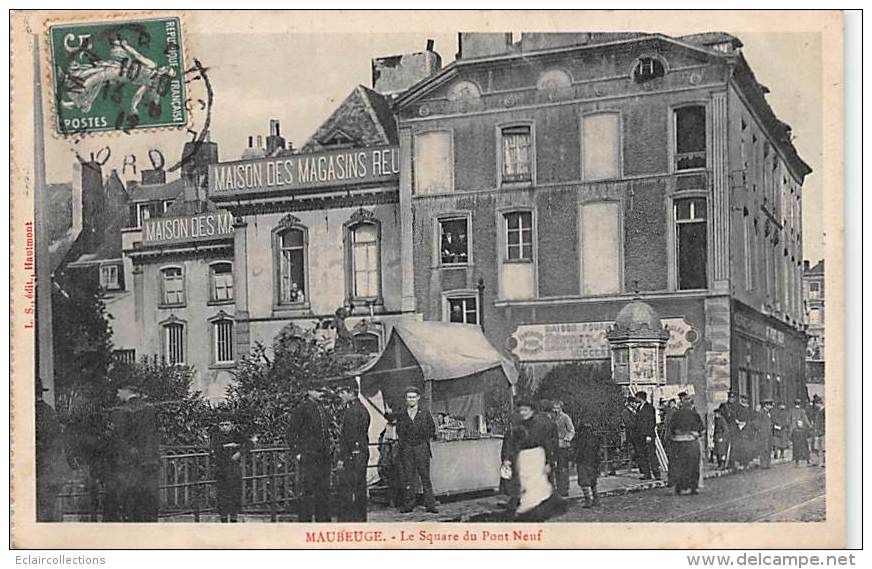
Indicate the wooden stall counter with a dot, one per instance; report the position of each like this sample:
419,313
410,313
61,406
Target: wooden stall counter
465,465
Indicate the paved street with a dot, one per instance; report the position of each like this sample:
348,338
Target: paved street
782,494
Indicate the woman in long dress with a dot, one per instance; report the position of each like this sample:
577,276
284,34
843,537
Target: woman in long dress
685,430
799,433
532,448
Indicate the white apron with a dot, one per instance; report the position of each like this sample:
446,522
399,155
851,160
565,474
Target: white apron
533,477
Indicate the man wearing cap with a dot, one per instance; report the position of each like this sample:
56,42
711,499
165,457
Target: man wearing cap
132,488
415,429
353,455
309,440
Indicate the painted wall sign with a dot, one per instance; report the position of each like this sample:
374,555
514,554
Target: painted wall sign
305,171
204,226
759,329
586,340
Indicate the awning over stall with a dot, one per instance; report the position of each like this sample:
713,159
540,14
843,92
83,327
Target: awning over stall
443,351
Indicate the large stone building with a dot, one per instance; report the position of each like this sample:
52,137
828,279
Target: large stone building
317,233
813,294
554,178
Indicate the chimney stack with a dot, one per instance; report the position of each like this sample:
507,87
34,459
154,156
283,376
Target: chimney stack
195,167
396,73
274,141
806,265
93,211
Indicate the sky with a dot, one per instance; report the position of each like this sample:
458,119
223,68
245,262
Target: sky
300,79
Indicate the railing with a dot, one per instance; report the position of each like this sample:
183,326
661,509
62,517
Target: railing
187,484
269,479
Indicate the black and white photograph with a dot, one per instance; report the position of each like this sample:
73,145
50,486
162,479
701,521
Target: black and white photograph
401,279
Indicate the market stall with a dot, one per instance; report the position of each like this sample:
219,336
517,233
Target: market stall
461,375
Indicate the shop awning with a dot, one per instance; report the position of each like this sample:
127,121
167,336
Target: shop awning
444,351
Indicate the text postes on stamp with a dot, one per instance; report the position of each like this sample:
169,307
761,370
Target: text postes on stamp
118,75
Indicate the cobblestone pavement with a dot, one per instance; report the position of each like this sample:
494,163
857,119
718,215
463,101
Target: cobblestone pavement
780,494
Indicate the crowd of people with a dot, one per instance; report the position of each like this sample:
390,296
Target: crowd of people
538,450
743,435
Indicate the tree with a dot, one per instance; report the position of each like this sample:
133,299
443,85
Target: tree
82,343
184,417
588,393
269,387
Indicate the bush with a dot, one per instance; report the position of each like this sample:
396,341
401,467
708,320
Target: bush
184,417
268,389
588,393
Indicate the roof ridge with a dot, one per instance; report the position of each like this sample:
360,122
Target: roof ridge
373,115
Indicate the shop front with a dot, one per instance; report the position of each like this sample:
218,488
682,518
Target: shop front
767,358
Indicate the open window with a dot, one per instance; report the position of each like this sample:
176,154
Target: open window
690,138
454,241
291,265
463,309
691,243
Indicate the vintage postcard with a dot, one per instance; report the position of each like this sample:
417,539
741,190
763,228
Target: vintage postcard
426,280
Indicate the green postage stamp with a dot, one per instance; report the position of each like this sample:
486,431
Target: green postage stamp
118,75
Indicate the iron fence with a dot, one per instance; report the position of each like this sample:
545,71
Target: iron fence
269,479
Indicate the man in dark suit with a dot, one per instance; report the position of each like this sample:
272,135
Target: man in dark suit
629,420
309,439
132,491
353,455
646,425
415,429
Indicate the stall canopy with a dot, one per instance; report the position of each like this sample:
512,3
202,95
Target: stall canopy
459,363
456,367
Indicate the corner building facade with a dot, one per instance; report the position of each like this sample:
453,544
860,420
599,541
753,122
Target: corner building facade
553,179
318,229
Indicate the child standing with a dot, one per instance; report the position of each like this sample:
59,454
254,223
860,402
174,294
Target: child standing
228,448
587,462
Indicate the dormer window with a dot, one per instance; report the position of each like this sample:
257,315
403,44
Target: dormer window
337,138
648,68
